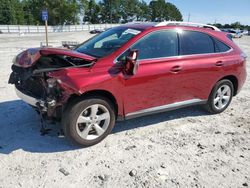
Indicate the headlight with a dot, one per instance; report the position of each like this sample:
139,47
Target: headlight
27,58
14,60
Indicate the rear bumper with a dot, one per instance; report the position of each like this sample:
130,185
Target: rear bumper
26,98
242,80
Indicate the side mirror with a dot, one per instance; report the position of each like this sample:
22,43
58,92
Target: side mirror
132,64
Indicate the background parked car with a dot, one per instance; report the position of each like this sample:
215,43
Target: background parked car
96,31
234,33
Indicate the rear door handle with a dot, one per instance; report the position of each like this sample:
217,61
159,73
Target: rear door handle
176,69
219,63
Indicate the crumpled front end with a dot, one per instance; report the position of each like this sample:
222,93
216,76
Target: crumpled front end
34,82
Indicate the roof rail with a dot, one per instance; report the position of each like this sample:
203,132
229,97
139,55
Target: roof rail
187,24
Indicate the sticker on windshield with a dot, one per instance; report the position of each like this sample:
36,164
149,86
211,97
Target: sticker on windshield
132,31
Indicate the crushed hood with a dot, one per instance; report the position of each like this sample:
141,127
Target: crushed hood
28,57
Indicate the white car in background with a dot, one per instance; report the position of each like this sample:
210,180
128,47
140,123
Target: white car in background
235,33
245,32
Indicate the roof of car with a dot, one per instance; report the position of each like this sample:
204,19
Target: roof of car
146,25
140,25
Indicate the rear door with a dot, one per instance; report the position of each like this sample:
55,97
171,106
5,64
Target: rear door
202,64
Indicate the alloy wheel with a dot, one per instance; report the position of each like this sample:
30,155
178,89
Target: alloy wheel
222,97
92,122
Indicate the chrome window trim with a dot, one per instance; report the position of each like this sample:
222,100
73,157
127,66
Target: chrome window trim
184,56
179,56
164,108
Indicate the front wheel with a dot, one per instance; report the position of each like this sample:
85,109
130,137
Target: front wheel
220,97
87,122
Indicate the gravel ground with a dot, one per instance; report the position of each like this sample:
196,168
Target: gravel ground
182,148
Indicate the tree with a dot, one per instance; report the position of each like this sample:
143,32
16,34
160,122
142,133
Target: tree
236,25
160,11
92,14
144,15
111,10
217,25
11,12
68,11
60,11
173,12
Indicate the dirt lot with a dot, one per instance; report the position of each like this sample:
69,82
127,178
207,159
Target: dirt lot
182,148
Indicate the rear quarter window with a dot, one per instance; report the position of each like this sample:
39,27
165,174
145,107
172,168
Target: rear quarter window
220,46
193,42
230,36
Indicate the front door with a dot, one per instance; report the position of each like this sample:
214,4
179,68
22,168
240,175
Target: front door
156,80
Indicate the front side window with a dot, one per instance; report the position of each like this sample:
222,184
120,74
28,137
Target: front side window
192,42
107,42
157,44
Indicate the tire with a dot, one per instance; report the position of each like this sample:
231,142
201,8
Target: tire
217,103
79,119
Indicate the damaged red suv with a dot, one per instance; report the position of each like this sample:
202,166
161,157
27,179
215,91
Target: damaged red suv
129,71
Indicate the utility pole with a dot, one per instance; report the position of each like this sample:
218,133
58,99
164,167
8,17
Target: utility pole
110,11
189,17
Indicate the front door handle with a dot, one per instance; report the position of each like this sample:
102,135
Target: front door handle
219,63
176,69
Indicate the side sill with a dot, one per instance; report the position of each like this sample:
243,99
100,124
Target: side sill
120,118
164,108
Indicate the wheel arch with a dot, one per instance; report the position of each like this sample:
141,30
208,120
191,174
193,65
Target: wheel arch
102,93
234,81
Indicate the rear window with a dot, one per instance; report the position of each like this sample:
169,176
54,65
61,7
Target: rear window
220,46
192,42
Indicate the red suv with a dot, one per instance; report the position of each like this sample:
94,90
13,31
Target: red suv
129,71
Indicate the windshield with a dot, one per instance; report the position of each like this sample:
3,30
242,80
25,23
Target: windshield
107,42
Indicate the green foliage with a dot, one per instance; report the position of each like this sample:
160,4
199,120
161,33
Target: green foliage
136,10
160,11
18,12
11,12
68,11
235,25
93,12
29,11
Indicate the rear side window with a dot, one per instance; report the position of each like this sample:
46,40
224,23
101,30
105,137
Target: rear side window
192,42
220,46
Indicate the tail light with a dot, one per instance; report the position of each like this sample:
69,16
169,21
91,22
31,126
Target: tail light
244,56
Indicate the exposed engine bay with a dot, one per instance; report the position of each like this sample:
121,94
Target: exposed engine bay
31,77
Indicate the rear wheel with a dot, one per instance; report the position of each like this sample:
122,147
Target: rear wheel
87,122
220,97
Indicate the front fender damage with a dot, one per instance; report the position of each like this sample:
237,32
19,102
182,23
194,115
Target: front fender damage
42,75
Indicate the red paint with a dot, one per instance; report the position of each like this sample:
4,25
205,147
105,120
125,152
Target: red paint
30,56
67,52
155,83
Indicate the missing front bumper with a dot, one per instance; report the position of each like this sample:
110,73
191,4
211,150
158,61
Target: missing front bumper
31,100
28,99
